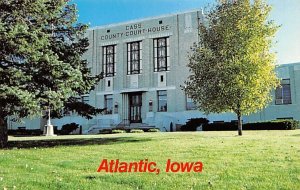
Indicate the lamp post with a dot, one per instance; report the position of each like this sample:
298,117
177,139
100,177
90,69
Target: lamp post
50,130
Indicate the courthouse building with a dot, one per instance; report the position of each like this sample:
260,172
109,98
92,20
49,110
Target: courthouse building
145,65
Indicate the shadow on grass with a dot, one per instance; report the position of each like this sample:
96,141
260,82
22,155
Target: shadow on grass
296,135
72,142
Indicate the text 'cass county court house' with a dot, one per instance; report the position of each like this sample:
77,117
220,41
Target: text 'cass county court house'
145,65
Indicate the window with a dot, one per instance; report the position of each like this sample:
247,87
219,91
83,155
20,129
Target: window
108,104
85,99
190,105
161,54
283,93
109,60
162,100
134,58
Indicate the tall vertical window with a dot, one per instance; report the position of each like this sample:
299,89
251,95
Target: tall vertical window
283,93
108,102
134,57
161,54
109,60
190,105
162,100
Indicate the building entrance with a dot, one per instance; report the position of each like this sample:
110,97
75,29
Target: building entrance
135,108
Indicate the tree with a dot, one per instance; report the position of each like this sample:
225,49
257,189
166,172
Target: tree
62,26
81,108
40,58
232,68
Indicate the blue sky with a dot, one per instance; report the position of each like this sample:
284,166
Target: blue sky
285,13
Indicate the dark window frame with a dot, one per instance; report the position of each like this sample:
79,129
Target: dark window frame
158,58
280,95
134,64
109,67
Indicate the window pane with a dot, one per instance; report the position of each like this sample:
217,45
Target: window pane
162,63
283,93
108,104
162,92
109,60
85,99
285,81
162,101
190,105
286,93
134,57
161,54
155,43
162,42
278,93
110,49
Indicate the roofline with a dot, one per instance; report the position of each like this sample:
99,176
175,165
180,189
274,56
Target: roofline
144,19
287,64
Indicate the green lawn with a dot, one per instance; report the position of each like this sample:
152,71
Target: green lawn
257,160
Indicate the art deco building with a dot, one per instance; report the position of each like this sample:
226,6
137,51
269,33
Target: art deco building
145,65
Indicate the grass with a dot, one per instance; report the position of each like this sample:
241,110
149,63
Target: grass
257,160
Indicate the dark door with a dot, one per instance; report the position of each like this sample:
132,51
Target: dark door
135,108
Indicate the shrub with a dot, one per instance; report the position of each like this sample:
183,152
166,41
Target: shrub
118,131
153,130
136,131
288,124
193,123
68,128
105,131
267,125
26,132
225,126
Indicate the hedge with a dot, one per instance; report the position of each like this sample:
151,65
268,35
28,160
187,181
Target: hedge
136,131
25,132
105,131
118,131
155,130
68,128
268,125
193,123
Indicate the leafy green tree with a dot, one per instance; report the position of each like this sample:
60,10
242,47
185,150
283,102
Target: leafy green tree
40,58
232,67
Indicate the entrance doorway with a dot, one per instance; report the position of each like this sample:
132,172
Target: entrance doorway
135,108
